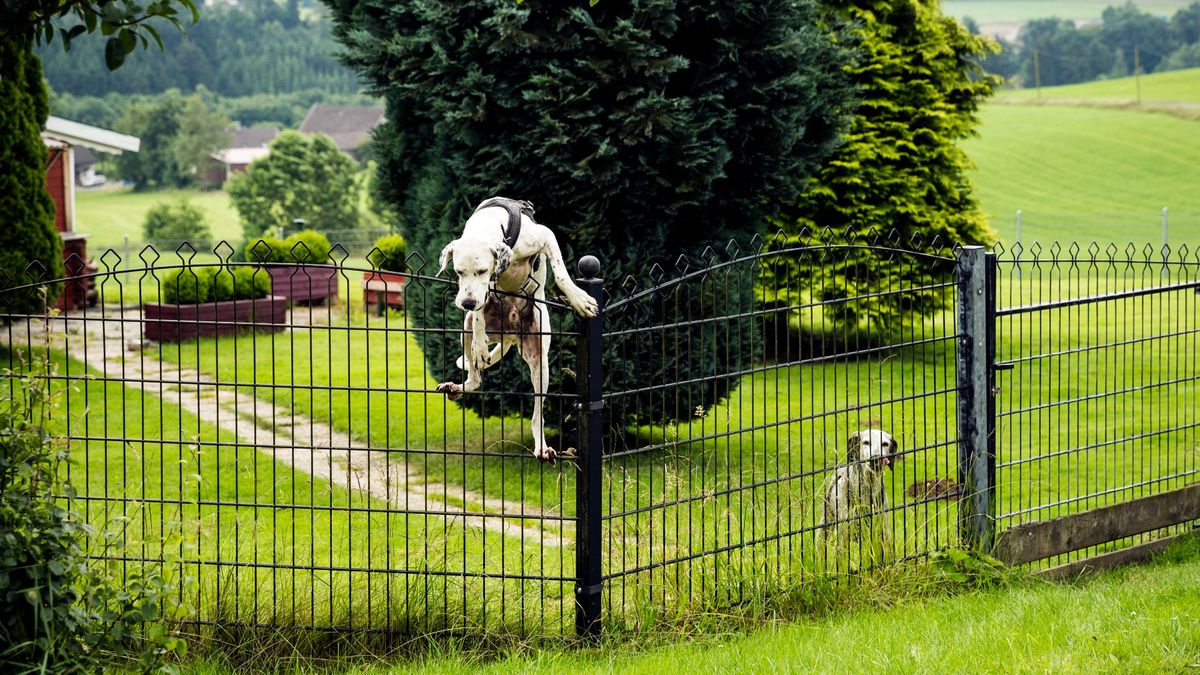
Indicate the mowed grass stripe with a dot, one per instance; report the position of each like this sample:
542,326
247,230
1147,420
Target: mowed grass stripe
1086,174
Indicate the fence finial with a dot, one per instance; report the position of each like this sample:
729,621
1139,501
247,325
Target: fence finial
589,266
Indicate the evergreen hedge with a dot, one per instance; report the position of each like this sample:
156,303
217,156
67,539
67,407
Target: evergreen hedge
639,130
27,232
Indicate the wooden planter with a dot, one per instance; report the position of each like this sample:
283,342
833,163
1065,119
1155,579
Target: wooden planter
309,284
174,323
383,289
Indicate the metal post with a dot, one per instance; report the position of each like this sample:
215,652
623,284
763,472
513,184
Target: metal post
588,506
976,357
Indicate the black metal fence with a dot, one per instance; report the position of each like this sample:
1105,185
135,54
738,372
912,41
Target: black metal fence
302,470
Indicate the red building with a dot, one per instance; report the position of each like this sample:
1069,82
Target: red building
61,137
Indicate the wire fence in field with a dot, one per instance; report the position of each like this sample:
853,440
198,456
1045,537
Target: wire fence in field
728,428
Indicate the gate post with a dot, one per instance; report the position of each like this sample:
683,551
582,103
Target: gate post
588,479
975,299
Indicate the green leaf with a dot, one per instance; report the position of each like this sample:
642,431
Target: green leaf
114,55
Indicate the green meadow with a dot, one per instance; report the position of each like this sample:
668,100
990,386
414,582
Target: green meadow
110,216
1173,86
1020,11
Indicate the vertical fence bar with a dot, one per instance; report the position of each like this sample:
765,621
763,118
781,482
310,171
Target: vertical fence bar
588,480
976,355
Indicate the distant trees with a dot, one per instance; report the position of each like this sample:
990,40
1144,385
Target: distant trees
264,48
1055,51
305,176
178,134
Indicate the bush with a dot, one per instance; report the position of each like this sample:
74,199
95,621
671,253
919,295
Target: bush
267,250
640,131
170,223
187,286
214,284
58,612
390,254
318,247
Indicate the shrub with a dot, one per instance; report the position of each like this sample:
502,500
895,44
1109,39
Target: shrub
318,247
389,254
640,131
250,284
187,286
170,223
267,250
213,284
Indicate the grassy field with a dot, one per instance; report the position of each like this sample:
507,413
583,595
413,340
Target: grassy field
1087,174
111,215
1020,11
1179,86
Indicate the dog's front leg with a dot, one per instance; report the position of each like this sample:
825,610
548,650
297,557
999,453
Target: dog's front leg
535,349
577,297
472,345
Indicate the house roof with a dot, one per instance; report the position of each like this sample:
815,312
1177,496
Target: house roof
348,125
254,137
78,133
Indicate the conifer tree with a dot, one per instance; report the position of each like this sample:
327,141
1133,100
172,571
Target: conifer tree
900,172
27,233
640,130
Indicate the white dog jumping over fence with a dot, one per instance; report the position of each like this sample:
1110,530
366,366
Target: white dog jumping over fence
501,249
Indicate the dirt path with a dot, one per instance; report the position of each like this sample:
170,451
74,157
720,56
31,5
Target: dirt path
109,342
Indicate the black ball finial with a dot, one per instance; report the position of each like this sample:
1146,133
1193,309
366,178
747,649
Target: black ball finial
589,266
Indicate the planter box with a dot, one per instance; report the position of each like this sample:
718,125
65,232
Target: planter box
310,284
383,289
174,323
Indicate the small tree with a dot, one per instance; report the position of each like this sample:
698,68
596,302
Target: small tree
305,176
178,134
170,223
900,168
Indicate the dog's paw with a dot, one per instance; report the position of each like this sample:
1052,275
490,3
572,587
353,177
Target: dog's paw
452,390
547,455
585,304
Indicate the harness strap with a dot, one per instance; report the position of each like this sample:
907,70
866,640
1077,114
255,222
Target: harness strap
512,230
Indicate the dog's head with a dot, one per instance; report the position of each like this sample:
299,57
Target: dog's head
478,264
875,446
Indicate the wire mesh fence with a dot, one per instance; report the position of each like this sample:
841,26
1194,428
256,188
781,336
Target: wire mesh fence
729,429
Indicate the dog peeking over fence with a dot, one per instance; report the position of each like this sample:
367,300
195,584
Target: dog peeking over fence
854,493
502,288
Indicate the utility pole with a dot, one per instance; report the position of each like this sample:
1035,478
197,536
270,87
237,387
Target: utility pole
1137,72
1037,73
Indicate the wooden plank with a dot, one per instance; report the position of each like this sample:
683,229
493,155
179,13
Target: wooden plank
1033,541
1112,559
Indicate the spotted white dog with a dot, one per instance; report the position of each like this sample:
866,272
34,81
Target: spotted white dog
501,249
855,491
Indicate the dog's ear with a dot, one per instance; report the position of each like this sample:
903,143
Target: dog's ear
895,446
447,253
503,256
854,448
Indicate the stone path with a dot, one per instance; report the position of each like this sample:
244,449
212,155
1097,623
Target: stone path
109,342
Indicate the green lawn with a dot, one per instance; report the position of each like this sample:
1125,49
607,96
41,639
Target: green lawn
1136,620
239,527
1181,86
1087,174
111,215
1020,11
